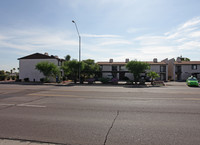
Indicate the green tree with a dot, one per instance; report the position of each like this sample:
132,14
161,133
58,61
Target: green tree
153,75
90,67
65,68
137,67
184,59
13,70
67,58
48,69
71,69
2,72
2,75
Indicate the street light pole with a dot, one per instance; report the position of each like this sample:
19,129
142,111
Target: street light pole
79,71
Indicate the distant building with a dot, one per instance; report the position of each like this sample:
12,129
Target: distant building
27,65
174,70
181,70
118,70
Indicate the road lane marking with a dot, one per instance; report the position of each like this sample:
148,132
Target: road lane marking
145,91
193,99
29,105
132,98
24,105
7,104
53,95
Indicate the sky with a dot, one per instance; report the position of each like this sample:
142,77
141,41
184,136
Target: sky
117,29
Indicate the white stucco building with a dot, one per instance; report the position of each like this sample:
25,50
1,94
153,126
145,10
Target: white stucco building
27,65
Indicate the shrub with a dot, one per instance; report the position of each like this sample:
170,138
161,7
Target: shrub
126,79
13,77
42,80
2,77
104,80
91,80
26,79
8,78
142,81
18,80
64,78
114,80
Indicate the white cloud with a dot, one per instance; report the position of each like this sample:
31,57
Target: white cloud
157,50
100,36
16,46
114,42
191,45
2,37
34,40
191,23
146,47
195,34
102,47
150,40
187,30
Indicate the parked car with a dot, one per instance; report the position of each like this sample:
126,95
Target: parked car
192,81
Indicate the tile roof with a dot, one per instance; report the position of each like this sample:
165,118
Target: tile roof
124,63
187,62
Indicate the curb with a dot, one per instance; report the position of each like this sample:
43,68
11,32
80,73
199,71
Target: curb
23,142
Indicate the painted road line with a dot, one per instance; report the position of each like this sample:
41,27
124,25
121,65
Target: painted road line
192,99
30,105
56,95
7,104
23,105
131,98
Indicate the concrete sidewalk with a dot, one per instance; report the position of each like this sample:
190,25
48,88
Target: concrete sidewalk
21,142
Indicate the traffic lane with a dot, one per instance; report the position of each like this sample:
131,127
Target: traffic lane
171,89
155,129
119,92
125,101
113,101
67,126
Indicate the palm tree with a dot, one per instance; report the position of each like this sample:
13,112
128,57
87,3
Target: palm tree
13,70
153,75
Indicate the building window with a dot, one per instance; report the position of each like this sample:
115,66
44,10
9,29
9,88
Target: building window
122,68
194,66
59,63
162,68
178,69
101,67
114,68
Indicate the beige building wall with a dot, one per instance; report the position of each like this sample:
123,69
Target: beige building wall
171,70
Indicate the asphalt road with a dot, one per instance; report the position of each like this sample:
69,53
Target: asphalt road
98,115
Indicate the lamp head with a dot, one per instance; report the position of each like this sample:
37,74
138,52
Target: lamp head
73,21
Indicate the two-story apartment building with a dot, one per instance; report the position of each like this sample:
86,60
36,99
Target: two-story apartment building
172,69
184,69
27,65
118,70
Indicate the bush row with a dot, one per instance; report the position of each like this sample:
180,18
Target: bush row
5,77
